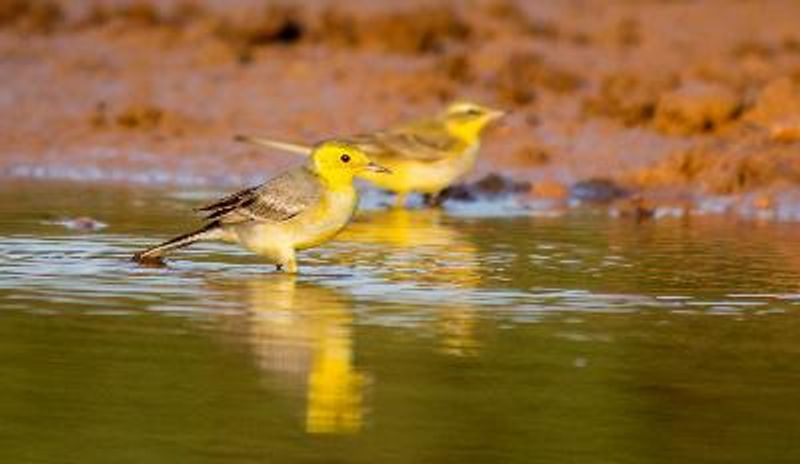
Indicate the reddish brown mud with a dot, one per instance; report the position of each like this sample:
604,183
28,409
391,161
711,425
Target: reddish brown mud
690,103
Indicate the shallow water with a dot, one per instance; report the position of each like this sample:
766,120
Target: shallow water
418,336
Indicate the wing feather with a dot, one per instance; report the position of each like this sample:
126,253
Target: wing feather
426,142
277,200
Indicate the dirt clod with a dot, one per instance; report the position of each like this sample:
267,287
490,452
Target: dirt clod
725,169
532,155
275,24
140,117
457,67
419,31
696,107
29,16
628,97
786,130
778,101
523,74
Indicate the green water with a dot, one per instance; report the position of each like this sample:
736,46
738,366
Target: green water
417,337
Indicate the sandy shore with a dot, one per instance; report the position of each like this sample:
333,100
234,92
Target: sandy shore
679,106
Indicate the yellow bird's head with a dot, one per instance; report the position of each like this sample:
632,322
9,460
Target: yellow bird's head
338,162
466,120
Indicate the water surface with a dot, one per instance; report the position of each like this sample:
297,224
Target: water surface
418,336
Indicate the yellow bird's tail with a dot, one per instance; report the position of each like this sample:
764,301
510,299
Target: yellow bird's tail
276,144
154,254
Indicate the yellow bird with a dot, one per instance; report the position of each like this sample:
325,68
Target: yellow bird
301,208
425,156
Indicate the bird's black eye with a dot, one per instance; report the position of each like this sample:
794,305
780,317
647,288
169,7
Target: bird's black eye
474,112
345,158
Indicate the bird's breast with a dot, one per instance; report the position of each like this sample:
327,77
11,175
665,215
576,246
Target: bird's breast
426,176
325,220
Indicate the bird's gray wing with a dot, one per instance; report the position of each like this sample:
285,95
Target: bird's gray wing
421,142
277,200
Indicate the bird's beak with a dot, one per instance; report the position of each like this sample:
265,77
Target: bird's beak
496,114
372,167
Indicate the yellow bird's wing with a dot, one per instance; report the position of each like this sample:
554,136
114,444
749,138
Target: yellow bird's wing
426,142
276,200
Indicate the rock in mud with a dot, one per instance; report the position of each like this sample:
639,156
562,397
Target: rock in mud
597,191
696,107
490,187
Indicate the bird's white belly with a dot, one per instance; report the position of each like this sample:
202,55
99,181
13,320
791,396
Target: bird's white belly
276,241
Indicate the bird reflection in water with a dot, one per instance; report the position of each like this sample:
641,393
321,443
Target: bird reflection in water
306,329
419,247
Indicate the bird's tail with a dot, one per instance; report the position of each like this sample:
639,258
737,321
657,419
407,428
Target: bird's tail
154,254
276,144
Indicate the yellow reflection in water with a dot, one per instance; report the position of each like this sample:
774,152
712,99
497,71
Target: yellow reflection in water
455,328
304,328
419,246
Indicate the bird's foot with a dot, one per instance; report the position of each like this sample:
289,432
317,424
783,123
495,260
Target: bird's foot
289,268
400,201
433,200
149,261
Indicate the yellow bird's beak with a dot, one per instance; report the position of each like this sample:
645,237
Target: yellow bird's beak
496,114
372,167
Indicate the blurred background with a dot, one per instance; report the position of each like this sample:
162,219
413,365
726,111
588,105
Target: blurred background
677,101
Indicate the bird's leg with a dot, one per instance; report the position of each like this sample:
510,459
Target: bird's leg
434,200
285,260
400,200
288,262
291,266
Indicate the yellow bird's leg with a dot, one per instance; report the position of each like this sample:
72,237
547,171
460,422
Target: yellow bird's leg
400,200
291,266
434,200
288,262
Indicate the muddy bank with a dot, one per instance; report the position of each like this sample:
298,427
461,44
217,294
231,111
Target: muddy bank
677,104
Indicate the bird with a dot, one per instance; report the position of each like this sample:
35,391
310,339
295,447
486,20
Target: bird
425,156
301,208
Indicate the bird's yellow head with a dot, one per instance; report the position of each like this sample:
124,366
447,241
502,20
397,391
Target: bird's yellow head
338,162
466,120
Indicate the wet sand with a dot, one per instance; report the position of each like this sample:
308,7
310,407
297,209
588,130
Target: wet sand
679,106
